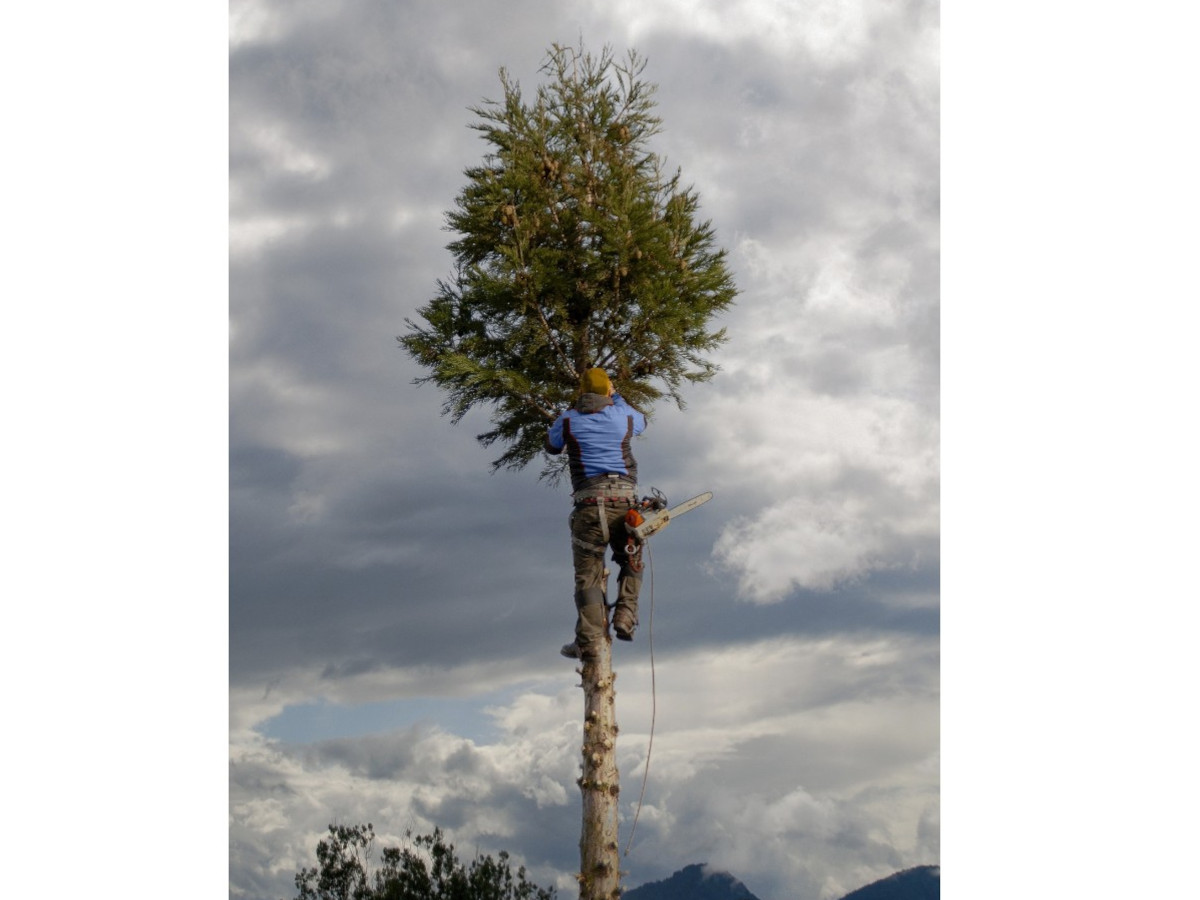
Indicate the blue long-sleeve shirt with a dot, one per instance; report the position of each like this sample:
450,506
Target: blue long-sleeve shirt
596,433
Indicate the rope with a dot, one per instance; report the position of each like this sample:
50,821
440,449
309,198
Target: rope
653,702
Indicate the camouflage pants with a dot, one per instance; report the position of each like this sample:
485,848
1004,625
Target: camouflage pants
588,545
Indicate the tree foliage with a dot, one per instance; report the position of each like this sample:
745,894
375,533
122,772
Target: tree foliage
574,250
427,870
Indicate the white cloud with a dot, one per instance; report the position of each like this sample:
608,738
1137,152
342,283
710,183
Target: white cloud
817,761
798,744
252,233
282,152
824,421
824,425
251,21
832,31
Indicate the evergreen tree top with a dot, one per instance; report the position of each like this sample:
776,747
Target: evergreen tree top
574,250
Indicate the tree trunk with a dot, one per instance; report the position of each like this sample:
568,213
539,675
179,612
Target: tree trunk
599,875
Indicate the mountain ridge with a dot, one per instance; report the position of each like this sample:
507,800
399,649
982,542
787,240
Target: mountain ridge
696,882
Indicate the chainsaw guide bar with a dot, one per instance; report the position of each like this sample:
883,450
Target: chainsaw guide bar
657,521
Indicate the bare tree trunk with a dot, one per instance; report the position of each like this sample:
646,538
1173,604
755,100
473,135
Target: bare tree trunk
599,875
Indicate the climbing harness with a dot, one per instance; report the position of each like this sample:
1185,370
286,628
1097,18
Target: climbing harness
600,497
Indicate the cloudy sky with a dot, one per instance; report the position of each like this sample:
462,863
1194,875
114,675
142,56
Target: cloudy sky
259,585
396,610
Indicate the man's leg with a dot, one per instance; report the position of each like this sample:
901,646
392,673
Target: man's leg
629,581
587,550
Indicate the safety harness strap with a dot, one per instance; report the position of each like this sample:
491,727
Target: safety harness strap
597,549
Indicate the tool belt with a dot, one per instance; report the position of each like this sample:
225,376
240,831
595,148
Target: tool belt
629,501
607,490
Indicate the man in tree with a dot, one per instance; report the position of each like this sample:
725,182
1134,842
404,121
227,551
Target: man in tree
596,433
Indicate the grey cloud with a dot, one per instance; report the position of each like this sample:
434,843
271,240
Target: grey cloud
376,756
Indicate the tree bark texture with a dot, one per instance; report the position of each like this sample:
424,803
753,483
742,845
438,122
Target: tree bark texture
599,875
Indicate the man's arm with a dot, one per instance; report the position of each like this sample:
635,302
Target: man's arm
639,420
554,438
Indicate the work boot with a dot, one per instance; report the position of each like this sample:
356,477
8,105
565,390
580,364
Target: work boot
574,651
624,624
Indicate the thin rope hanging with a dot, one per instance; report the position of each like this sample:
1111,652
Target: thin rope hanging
653,703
